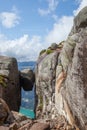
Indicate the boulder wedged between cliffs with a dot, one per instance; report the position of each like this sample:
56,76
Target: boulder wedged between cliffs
27,79
11,82
60,82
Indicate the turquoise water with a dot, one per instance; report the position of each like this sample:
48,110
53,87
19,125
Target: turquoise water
27,97
27,112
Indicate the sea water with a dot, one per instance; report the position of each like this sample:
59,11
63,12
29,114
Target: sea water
27,112
27,100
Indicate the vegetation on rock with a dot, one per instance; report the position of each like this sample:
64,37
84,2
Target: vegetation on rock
43,51
40,107
52,48
48,51
2,80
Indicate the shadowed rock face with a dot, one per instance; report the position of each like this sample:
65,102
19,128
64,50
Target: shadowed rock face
71,99
27,79
10,91
5,114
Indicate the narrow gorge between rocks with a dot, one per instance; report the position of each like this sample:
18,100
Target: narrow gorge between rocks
60,80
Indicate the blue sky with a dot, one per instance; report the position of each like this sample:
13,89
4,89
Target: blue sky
27,26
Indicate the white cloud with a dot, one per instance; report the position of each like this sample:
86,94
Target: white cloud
22,48
14,9
60,30
55,17
52,4
43,12
26,48
9,19
82,4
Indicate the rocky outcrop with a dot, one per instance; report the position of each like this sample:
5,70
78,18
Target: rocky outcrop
45,82
18,121
61,84
70,95
10,89
5,113
61,79
11,82
40,126
27,79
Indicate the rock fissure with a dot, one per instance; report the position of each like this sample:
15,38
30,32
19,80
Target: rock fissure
60,83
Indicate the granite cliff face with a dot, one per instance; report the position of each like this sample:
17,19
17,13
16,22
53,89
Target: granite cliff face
45,81
61,79
72,92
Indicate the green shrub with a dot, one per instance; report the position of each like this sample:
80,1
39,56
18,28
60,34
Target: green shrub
48,51
43,51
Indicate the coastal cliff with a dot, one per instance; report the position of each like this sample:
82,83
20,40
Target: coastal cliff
61,77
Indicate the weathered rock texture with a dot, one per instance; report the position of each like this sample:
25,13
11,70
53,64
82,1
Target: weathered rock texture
10,89
45,83
71,94
21,122
5,114
11,82
69,69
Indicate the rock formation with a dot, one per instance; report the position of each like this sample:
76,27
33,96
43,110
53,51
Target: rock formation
10,89
45,81
27,79
11,82
61,84
71,99
61,79
5,113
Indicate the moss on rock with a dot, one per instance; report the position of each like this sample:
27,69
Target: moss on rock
2,81
43,51
48,51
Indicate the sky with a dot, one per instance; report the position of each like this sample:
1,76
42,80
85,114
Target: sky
28,26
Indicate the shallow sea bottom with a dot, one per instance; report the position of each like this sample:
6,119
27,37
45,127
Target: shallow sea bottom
27,112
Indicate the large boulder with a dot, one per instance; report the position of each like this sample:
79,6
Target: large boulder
71,75
80,20
53,46
10,89
27,79
5,115
40,126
